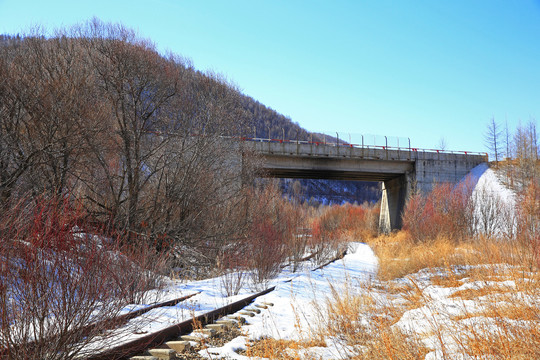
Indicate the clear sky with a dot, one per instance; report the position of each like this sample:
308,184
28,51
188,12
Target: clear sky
420,69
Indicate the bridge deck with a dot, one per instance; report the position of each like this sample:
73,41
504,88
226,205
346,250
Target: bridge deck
345,162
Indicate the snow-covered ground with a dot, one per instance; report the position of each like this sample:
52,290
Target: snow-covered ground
494,204
294,315
288,318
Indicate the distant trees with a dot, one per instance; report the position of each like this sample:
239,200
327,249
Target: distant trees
268,124
526,153
522,148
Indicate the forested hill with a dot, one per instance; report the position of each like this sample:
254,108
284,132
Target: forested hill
269,124
90,99
257,119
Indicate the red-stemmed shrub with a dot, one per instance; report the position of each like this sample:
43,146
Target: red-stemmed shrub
339,224
56,280
445,211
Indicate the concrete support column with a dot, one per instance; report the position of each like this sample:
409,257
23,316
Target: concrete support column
394,195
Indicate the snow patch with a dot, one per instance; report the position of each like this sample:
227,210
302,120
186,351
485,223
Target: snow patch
493,204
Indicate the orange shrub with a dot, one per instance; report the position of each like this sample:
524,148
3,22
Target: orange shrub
342,223
443,212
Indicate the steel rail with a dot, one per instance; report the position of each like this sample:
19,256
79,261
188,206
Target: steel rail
136,346
122,319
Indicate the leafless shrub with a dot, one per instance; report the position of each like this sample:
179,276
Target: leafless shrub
490,214
337,225
233,266
266,240
56,282
528,224
327,235
445,211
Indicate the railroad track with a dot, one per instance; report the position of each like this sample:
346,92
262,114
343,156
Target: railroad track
153,343
149,341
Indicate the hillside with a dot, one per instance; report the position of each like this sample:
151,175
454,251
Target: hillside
84,114
327,192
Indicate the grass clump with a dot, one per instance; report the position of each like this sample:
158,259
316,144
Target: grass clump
363,325
270,348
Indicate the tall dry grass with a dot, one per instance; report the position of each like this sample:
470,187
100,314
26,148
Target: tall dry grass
400,255
502,324
360,324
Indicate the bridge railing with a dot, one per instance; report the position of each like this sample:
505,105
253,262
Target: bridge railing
343,144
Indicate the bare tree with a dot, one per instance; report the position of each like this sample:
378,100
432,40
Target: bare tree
18,151
43,118
526,150
492,139
507,140
442,144
143,140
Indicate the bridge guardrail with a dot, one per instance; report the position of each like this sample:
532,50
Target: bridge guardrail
360,146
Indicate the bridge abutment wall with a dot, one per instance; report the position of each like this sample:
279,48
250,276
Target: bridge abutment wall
431,169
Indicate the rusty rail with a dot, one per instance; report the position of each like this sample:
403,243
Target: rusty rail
134,347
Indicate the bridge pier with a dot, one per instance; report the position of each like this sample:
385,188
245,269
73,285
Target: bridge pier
394,197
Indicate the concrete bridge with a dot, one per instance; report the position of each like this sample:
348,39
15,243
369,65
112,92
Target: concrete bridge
401,170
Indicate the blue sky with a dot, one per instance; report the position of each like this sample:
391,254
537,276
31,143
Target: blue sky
423,70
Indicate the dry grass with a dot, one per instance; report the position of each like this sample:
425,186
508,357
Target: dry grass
357,318
513,311
503,339
506,290
472,294
450,280
280,349
399,255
